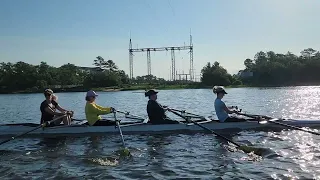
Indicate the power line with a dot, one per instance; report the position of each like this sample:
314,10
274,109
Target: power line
173,59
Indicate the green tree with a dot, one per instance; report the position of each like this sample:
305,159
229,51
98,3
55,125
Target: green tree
248,64
271,69
70,75
308,53
215,75
102,64
124,78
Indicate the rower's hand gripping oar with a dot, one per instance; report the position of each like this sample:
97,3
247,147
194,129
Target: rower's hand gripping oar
45,124
246,149
274,121
125,151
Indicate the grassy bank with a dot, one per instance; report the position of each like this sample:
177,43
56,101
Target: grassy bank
123,88
163,87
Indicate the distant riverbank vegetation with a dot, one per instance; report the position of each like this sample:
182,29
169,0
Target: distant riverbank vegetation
269,69
265,69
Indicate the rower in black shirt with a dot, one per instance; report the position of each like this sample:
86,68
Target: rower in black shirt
156,112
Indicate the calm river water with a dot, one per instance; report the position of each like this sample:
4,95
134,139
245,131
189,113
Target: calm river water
293,154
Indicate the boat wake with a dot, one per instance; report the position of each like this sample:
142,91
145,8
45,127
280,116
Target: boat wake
263,152
104,161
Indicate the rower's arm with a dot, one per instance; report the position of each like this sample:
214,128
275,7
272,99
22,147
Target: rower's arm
51,111
227,109
60,108
99,111
103,108
159,109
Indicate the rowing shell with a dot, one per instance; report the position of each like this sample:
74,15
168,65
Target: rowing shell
146,128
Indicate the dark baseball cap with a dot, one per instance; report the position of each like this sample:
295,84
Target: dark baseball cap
150,92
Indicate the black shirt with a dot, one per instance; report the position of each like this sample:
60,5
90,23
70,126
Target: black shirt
156,112
45,116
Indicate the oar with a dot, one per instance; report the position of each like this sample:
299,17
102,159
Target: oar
183,111
80,120
123,112
132,116
38,127
279,123
125,151
193,115
245,148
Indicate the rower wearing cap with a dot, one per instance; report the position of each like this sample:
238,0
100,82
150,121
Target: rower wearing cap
156,112
48,109
93,111
222,110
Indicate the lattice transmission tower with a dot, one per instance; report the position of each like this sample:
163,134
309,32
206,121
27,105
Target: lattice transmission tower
173,60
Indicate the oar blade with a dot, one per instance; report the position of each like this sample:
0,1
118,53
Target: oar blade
124,152
250,149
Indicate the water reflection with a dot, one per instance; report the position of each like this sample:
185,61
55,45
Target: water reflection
94,146
155,148
52,143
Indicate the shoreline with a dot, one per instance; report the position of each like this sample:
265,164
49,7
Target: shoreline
117,89
139,87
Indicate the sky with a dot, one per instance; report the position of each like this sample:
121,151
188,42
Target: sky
227,31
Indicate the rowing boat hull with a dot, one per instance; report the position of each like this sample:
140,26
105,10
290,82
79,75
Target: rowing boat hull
140,128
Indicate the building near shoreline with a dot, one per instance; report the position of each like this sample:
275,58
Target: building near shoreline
245,74
90,69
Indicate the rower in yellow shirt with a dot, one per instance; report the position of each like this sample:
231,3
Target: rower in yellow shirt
93,111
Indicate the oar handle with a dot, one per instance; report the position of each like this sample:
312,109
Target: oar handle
123,112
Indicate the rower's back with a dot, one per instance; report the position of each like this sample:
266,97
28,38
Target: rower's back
219,108
45,116
155,112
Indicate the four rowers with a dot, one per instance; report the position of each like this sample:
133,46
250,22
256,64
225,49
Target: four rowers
156,112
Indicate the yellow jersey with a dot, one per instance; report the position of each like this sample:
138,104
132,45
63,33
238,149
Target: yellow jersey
93,112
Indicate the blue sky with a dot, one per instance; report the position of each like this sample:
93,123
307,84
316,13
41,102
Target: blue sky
227,31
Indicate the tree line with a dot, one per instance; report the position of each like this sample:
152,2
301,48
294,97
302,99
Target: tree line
22,76
269,69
